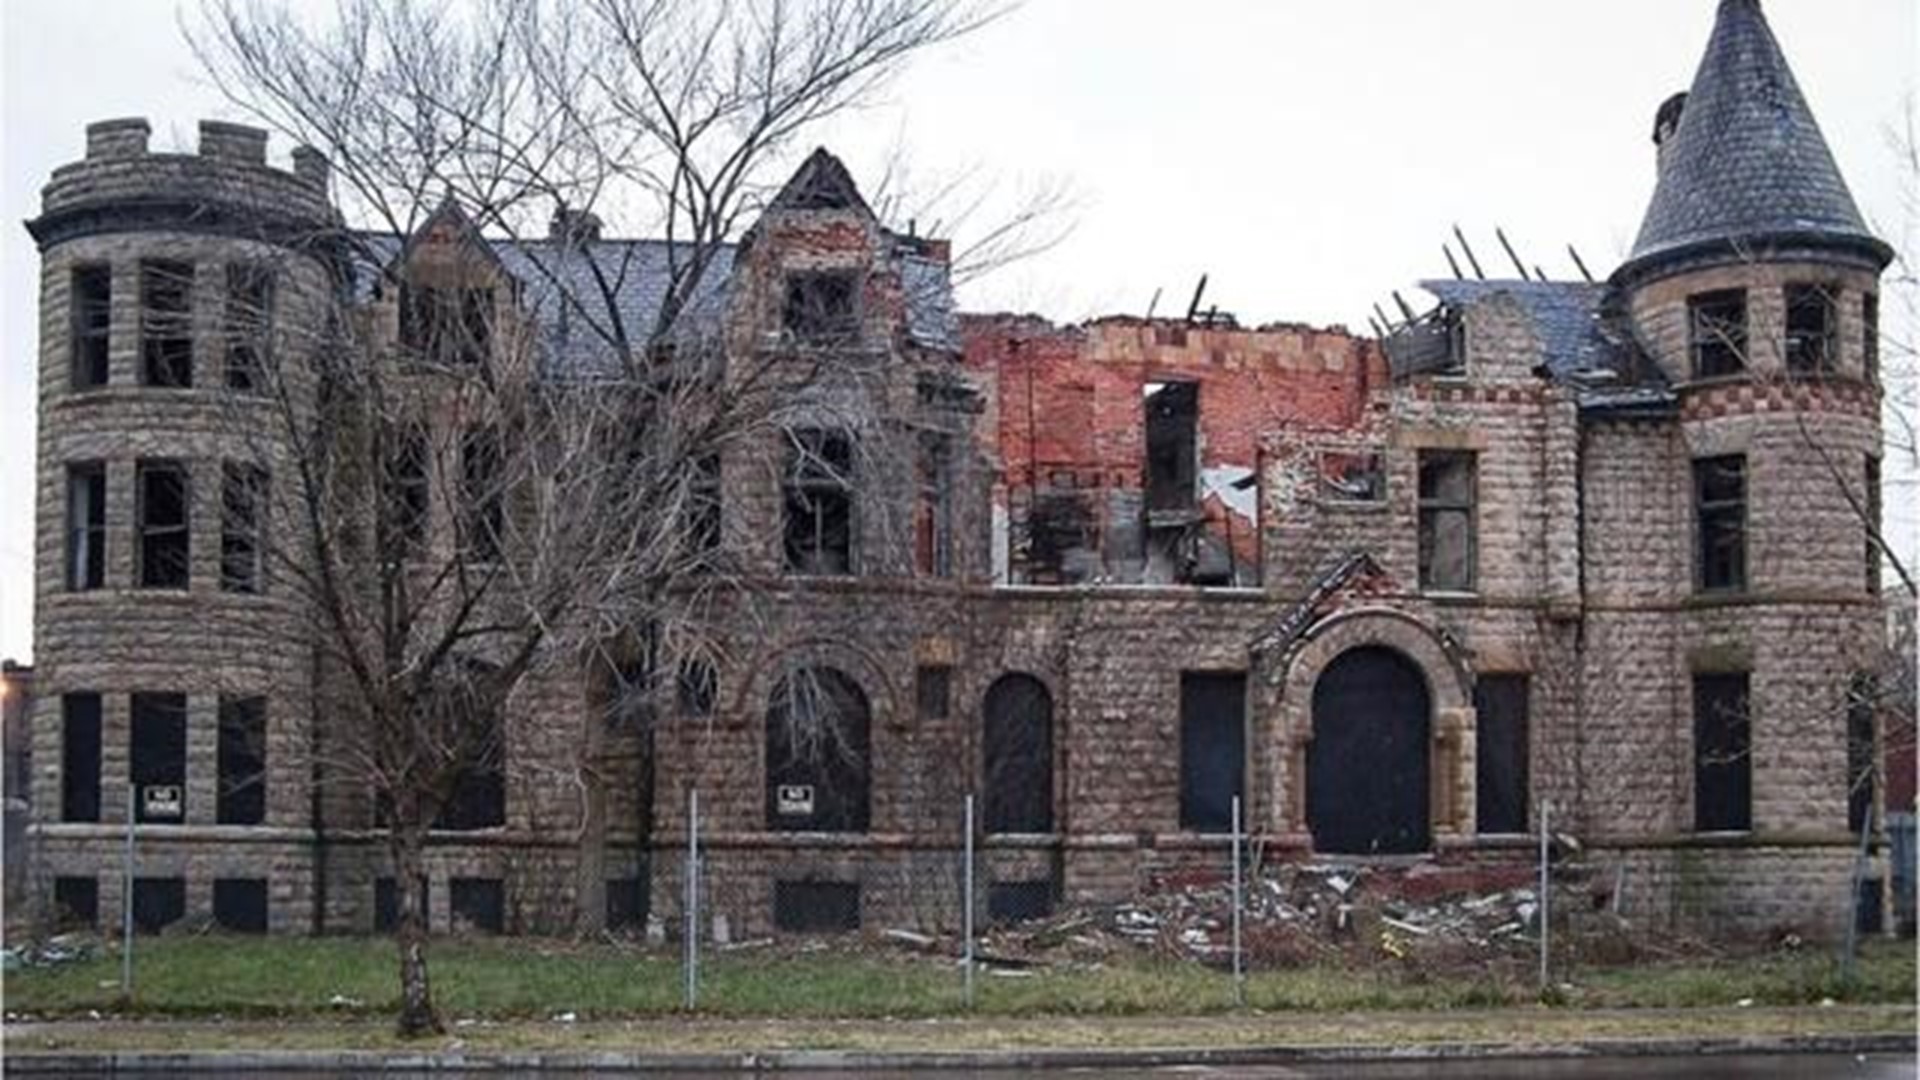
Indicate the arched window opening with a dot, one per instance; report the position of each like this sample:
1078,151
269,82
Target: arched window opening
818,746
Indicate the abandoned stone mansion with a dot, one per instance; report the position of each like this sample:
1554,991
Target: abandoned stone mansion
1598,544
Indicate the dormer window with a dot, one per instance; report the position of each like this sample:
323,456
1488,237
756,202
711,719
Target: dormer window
822,306
1810,325
1718,332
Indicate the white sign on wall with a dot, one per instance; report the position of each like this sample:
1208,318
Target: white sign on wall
795,799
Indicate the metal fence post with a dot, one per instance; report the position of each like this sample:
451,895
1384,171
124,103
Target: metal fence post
691,934
1239,905
1546,885
966,906
126,906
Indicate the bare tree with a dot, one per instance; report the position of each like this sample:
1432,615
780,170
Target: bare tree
522,476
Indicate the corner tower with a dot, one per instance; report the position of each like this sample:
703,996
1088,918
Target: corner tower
181,296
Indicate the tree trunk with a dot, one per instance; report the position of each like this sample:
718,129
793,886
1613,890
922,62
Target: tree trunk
417,1016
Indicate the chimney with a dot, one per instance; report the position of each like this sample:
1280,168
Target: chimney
573,226
125,137
1666,123
311,165
233,142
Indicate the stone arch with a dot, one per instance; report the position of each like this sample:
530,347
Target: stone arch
1449,696
1369,764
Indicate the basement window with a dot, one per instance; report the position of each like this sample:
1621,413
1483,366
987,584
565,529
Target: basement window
162,509
76,901
628,902
86,525
1720,523
477,904
1352,476
1500,765
1212,748
246,320
80,757
166,323
822,306
1722,754
1020,901
243,506
386,904
91,324
1448,490
816,907
157,756
1717,323
1810,326
819,503
1172,425
241,760
240,905
158,903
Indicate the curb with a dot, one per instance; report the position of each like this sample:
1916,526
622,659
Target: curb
28,1063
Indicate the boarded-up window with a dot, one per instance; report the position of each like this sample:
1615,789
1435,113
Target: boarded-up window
1862,697
1722,759
80,757
76,901
1018,746
1720,522
86,525
1172,432
1448,490
822,306
816,907
477,904
817,753
1717,332
92,322
243,514
819,503
158,748
166,323
1212,748
158,902
240,904
242,761
1810,326
163,525
246,319
1500,769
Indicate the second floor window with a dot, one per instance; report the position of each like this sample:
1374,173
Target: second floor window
92,322
1720,523
1717,332
446,325
163,524
246,319
482,481
822,306
166,323
86,526
819,503
1870,336
1810,322
243,506
1447,544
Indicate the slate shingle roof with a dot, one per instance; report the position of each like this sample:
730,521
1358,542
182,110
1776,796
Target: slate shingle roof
1747,161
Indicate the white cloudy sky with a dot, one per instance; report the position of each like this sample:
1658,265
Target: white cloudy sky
1308,156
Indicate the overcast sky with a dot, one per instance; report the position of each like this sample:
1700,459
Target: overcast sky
1309,157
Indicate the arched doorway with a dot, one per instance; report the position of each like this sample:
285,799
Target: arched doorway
1368,766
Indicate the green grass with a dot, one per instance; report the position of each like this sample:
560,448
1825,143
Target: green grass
509,979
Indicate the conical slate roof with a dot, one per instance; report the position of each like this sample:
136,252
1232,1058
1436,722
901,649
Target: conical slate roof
1747,162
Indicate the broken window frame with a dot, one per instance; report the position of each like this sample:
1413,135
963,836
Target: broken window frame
821,307
1437,508
90,324
1332,488
1811,319
247,326
80,747
1502,779
446,326
240,762
1722,752
1717,333
157,749
166,323
86,525
1170,461
406,492
933,507
818,492
1720,524
163,549
244,499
